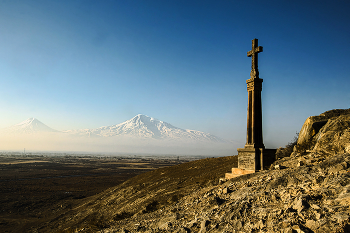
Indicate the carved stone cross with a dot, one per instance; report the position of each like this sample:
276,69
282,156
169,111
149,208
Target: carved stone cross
254,156
254,54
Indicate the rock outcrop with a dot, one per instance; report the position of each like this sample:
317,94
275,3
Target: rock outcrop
308,191
334,136
314,124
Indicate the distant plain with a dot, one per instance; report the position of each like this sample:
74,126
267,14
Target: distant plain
34,188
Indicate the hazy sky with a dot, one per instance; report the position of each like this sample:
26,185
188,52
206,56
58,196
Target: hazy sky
84,64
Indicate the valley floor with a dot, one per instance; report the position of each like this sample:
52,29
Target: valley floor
35,188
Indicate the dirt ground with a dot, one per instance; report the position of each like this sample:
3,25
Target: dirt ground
34,189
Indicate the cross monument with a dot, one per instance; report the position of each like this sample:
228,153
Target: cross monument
253,157
254,54
254,113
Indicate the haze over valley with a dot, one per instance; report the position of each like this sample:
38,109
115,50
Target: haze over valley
140,135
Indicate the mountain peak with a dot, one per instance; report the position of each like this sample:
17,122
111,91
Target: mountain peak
140,116
143,126
29,121
143,117
31,125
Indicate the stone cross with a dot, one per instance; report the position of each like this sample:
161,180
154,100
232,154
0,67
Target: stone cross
250,157
254,54
254,156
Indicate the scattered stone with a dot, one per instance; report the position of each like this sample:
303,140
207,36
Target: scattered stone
164,225
297,229
314,206
204,225
317,215
183,230
341,217
222,180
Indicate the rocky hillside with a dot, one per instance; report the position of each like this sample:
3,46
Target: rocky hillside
308,191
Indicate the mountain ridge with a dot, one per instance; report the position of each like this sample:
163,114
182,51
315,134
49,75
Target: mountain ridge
139,135
140,126
143,126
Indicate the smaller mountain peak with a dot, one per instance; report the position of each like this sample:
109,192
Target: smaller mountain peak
32,119
28,121
30,125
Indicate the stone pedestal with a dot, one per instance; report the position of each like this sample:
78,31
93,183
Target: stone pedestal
255,159
237,172
251,160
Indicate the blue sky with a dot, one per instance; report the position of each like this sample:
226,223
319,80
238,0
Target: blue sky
85,64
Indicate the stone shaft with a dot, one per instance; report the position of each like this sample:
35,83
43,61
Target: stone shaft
254,114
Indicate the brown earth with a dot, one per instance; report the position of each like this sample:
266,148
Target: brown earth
35,189
141,194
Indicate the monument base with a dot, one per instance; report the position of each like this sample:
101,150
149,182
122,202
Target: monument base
237,172
252,159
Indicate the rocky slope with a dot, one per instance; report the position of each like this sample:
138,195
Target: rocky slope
308,191
314,197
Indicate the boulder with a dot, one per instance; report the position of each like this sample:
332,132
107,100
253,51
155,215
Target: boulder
337,131
324,127
310,128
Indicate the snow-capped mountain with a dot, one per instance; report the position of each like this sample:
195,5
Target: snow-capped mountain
29,126
139,135
142,126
